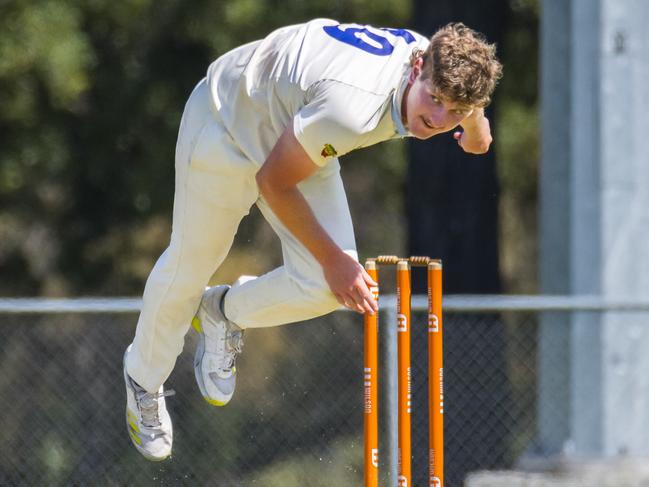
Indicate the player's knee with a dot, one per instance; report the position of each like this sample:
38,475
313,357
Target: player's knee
327,302
315,288
321,300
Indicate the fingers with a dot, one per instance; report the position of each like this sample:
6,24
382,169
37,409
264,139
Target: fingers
368,279
366,301
359,300
350,301
355,294
458,136
369,303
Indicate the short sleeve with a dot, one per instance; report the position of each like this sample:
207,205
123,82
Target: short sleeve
335,120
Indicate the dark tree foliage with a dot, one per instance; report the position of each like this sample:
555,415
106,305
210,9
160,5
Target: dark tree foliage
452,207
92,94
453,196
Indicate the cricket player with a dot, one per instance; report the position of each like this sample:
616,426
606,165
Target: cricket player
266,126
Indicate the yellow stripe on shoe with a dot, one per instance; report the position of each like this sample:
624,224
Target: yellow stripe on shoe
132,421
214,402
135,438
196,324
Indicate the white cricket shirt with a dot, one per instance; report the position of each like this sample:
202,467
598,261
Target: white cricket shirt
339,86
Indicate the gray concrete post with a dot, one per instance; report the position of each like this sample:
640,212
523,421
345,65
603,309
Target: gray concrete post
593,386
554,222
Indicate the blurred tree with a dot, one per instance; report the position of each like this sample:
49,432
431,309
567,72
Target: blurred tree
452,207
92,95
517,146
452,197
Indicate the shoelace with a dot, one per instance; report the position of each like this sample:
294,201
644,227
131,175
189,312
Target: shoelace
148,403
234,346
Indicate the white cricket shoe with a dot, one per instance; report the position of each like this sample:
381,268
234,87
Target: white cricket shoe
147,420
219,343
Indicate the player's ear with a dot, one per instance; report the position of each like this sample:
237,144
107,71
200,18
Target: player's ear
415,70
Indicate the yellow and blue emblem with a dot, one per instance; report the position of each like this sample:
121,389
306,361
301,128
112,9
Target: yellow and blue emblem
328,151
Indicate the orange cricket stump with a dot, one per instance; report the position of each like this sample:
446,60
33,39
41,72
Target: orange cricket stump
404,385
435,376
370,388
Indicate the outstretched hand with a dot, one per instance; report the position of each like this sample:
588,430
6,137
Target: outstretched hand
350,283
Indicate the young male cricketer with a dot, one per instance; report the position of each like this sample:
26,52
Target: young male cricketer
266,127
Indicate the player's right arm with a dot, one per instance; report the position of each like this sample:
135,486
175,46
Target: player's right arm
287,165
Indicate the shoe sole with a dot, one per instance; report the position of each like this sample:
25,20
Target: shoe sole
142,452
198,358
131,434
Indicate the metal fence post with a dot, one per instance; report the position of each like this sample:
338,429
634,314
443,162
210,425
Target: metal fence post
390,367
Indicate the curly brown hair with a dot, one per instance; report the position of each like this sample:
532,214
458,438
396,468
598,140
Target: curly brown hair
461,64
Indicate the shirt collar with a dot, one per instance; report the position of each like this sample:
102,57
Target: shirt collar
397,97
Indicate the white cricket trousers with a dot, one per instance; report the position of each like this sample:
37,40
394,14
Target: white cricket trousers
215,188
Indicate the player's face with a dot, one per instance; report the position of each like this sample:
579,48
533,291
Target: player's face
425,111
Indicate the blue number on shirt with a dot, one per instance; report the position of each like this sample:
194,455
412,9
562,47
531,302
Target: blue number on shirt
354,37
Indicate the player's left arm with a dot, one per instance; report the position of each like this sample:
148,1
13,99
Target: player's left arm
476,135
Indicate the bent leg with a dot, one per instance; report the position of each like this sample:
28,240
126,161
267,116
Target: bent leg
297,291
215,188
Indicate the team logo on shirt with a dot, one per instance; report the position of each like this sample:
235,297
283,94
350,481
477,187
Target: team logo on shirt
328,151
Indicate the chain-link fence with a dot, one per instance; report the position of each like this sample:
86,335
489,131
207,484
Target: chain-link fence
296,419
